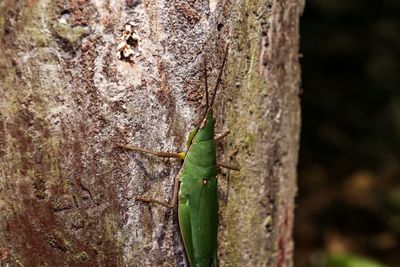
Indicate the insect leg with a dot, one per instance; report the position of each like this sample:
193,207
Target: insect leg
161,154
222,135
229,167
172,204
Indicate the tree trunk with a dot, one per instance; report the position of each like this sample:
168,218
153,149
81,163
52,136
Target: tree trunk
79,76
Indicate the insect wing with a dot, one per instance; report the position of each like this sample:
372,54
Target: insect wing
198,220
198,202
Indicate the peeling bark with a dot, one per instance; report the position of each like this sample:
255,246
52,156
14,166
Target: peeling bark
78,76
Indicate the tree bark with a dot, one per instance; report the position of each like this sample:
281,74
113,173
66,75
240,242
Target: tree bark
79,76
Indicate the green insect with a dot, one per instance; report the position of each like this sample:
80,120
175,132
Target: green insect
195,189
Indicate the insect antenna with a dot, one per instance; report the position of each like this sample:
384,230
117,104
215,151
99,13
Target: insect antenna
209,104
206,82
221,71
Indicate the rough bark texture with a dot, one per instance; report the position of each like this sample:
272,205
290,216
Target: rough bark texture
78,76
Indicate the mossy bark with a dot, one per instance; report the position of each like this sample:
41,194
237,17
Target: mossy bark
77,77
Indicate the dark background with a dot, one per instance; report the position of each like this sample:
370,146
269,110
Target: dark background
348,205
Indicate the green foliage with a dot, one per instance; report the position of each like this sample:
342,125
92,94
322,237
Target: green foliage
346,260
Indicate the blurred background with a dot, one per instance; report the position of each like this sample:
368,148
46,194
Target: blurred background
348,205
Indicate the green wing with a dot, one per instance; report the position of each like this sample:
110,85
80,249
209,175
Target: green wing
185,225
198,220
198,202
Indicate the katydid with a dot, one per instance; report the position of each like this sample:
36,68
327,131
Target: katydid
195,189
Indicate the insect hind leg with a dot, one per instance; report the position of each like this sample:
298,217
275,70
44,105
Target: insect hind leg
152,200
171,205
